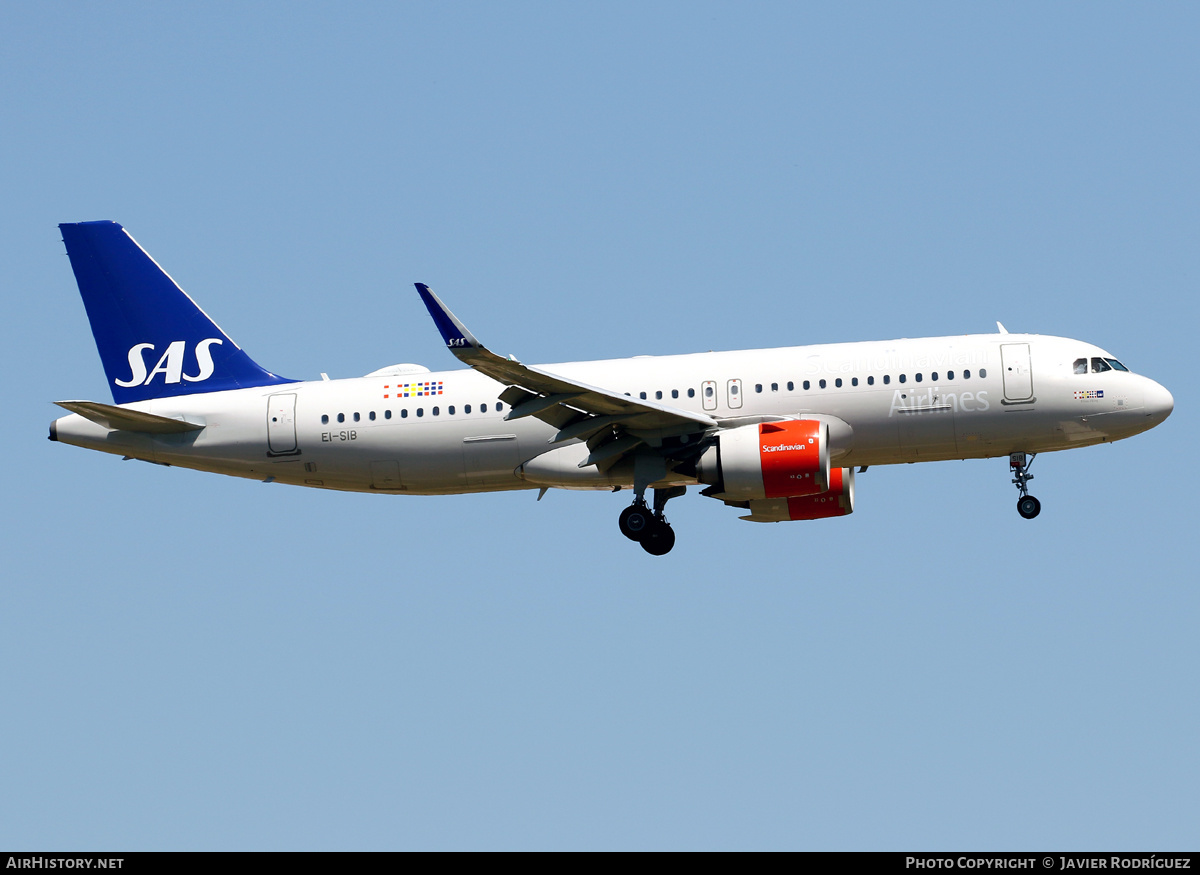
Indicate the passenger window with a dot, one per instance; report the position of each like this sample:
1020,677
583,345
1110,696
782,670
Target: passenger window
933,376
499,406
387,414
774,387
838,382
404,413
870,381
822,384
341,417
691,393
356,417
483,408
887,378
371,416
324,419
854,381
420,411
983,373
450,410
435,411
708,391
966,375
733,389
949,375
904,378
1099,366
642,395
674,393
1080,366
807,385
658,395
466,408
918,378
758,388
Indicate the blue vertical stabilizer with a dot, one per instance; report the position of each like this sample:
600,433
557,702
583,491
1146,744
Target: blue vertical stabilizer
153,339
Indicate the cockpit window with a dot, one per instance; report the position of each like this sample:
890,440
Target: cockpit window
1099,366
1081,366
1116,365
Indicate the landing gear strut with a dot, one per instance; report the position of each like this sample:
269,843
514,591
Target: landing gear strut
1027,505
650,529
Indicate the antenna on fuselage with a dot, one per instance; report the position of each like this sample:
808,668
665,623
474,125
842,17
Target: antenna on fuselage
1003,330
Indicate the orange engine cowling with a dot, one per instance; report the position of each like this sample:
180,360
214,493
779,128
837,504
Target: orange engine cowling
769,460
838,500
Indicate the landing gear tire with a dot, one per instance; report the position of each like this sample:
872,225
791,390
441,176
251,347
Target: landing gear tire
635,521
1027,506
659,538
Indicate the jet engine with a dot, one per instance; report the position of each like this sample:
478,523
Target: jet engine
838,500
768,460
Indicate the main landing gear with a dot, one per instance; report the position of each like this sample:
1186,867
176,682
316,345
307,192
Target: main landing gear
650,528
1027,505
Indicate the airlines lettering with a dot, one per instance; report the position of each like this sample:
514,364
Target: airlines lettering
170,364
967,402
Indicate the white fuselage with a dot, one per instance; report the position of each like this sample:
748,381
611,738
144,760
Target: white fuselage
925,399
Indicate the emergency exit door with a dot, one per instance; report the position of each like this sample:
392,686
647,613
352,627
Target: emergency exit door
733,394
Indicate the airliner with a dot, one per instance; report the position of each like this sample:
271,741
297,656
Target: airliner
777,433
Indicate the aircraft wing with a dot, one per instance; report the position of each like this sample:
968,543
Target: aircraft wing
616,423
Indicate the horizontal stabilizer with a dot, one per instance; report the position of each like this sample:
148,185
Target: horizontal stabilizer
123,419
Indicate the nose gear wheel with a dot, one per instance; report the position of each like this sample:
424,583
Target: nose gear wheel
1027,506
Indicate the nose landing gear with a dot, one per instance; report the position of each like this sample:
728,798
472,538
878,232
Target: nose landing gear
1027,506
650,529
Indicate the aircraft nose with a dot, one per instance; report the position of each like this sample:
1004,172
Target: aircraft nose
1158,402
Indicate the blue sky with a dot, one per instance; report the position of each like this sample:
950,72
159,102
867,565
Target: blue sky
189,661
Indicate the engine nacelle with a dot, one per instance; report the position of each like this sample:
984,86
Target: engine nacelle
838,500
768,460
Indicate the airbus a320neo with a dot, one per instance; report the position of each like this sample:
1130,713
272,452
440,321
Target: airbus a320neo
776,433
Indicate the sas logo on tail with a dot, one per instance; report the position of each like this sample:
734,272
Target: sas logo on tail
170,365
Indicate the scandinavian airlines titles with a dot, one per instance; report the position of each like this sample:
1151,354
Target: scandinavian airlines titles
934,399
